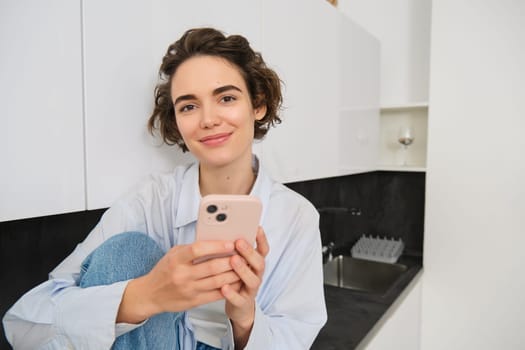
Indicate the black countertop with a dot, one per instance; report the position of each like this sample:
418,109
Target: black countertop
352,314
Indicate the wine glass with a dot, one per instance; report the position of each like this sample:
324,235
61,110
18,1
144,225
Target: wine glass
405,138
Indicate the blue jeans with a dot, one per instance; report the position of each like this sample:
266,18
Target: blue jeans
125,256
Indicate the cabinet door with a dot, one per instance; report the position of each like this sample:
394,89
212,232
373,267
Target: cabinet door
359,88
122,64
403,27
41,137
330,68
300,43
358,140
120,76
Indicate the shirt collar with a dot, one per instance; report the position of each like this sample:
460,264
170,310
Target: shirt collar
189,199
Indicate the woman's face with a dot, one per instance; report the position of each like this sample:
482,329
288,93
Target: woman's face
213,110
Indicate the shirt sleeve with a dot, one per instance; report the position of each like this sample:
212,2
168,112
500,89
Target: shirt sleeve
290,306
58,314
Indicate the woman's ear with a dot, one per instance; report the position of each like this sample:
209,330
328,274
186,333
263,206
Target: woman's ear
260,112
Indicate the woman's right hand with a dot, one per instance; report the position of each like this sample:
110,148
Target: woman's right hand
177,284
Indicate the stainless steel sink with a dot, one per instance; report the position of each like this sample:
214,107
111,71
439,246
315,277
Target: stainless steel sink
361,275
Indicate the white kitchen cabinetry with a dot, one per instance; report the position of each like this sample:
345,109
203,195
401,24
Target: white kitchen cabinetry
78,80
358,78
400,326
300,43
403,29
41,137
120,65
330,70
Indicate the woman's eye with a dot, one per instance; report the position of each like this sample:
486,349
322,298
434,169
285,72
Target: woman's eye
228,99
186,108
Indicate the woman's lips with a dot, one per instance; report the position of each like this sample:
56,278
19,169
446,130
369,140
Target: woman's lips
215,140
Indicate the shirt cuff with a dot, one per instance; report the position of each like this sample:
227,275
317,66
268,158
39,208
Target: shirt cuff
259,336
86,316
227,342
123,328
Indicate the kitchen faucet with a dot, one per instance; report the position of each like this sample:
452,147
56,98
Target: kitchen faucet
328,251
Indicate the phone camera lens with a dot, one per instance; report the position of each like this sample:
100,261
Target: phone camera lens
211,208
221,217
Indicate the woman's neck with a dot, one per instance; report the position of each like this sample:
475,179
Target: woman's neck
235,178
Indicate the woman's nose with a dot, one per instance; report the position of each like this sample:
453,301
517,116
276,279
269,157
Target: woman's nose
209,117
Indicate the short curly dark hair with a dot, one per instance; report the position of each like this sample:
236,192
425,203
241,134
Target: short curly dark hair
264,86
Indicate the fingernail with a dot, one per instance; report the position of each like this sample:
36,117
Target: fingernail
229,245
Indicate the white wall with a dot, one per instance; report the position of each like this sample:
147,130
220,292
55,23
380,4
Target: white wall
474,282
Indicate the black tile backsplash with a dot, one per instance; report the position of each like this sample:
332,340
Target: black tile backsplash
385,203
390,204
31,248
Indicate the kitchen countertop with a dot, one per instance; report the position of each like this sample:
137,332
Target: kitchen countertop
353,314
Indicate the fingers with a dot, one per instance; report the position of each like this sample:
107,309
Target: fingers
236,286
211,267
262,243
206,297
217,281
233,296
202,249
252,257
250,277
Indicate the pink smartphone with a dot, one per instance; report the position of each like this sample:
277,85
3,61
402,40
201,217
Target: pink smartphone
228,218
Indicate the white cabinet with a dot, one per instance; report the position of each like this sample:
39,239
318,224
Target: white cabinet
359,83
41,136
300,43
331,97
403,28
330,71
400,327
78,80
325,67
119,84
171,18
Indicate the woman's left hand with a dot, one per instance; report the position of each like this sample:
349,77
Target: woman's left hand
240,304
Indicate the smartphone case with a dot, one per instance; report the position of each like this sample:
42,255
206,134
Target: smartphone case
228,218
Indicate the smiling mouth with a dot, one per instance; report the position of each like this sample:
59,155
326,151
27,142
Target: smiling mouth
215,140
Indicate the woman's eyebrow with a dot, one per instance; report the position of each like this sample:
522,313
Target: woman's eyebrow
215,92
225,88
184,98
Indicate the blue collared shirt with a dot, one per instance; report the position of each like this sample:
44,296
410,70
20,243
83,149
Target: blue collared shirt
290,306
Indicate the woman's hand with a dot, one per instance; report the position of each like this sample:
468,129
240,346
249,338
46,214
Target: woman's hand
240,304
177,284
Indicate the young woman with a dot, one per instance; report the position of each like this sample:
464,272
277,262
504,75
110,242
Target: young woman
132,283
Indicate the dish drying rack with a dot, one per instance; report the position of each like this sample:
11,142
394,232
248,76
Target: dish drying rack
384,249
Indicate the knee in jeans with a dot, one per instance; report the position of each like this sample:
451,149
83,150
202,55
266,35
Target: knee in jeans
124,256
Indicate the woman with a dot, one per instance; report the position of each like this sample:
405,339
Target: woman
132,283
